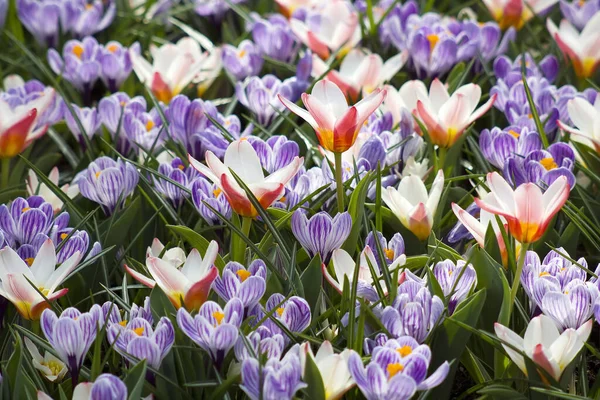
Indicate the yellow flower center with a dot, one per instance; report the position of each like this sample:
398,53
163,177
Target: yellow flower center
217,192
433,39
404,350
241,53
545,273
112,48
88,6
139,331
29,261
63,236
78,51
581,3
218,315
149,125
394,368
548,163
389,253
514,134
181,167
280,311
282,199
243,274
98,174
25,209
529,231
54,367
530,116
123,104
44,291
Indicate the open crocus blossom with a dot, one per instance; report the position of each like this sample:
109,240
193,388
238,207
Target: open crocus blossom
335,124
527,210
360,71
186,287
241,158
174,67
583,49
586,118
23,281
516,12
543,344
446,117
412,205
19,126
332,367
51,367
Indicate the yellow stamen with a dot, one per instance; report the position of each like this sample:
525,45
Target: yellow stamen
514,134
149,125
282,199
112,48
29,261
544,273
123,104
581,3
63,236
181,167
280,311
54,367
25,209
139,331
88,6
218,315
243,274
98,174
529,231
389,253
44,291
548,163
241,53
217,192
530,116
433,40
404,350
123,323
78,51
394,368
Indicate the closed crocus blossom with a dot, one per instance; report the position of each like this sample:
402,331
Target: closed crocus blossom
174,67
50,367
35,187
447,117
321,234
360,71
106,386
583,49
188,286
335,123
241,158
411,204
527,210
516,12
18,279
543,344
586,118
332,367
19,125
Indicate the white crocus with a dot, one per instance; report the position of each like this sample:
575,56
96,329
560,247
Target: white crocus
411,204
332,367
51,367
404,97
35,187
586,117
544,345
174,256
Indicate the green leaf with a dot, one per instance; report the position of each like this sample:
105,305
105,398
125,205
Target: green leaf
312,376
13,370
497,391
311,280
135,379
356,208
197,242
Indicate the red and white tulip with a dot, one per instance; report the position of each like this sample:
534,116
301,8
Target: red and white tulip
404,97
527,210
332,367
516,13
335,123
241,158
586,118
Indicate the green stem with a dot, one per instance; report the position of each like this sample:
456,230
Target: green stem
5,167
442,158
238,244
339,182
246,224
517,278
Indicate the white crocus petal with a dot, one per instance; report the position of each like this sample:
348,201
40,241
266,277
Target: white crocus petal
508,336
435,193
565,348
83,391
61,273
331,97
343,265
44,263
438,96
541,330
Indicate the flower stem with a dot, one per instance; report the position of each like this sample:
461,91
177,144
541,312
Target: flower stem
442,158
246,224
5,167
339,180
517,278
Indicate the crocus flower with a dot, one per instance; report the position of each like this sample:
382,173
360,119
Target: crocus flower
335,124
136,340
112,315
174,67
456,280
35,187
105,386
242,159
72,334
248,285
497,145
414,312
586,117
360,71
41,19
115,64
393,250
176,171
528,212
243,61
516,12
112,109
25,219
258,342
276,152
332,367
86,17
19,126
293,313
260,95
18,92
321,234
277,379
214,329
287,7
332,27
205,192
188,286
579,12
411,204
16,275
580,48
107,182
396,373
213,8
447,117
274,38
88,118
145,130
542,343
50,367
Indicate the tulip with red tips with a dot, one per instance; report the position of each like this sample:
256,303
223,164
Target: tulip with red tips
586,118
527,211
188,286
447,117
241,158
516,13
335,124
583,49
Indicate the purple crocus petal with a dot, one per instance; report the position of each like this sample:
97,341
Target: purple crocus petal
144,348
251,382
415,366
187,325
107,386
252,290
391,320
557,306
296,314
436,378
377,382
224,338
401,387
581,301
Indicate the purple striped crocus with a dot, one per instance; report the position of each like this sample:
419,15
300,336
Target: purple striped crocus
293,313
215,9
145,130
396,371
108,183
243,61
72,334
24,219
579,12
392,249
112,315
214,329
178,172
236,281
106,386
112,109
321,234
136,340
259,95
115,64
260,341
277,379
275,152
203,192
456,280
88,118
42,19
275,38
